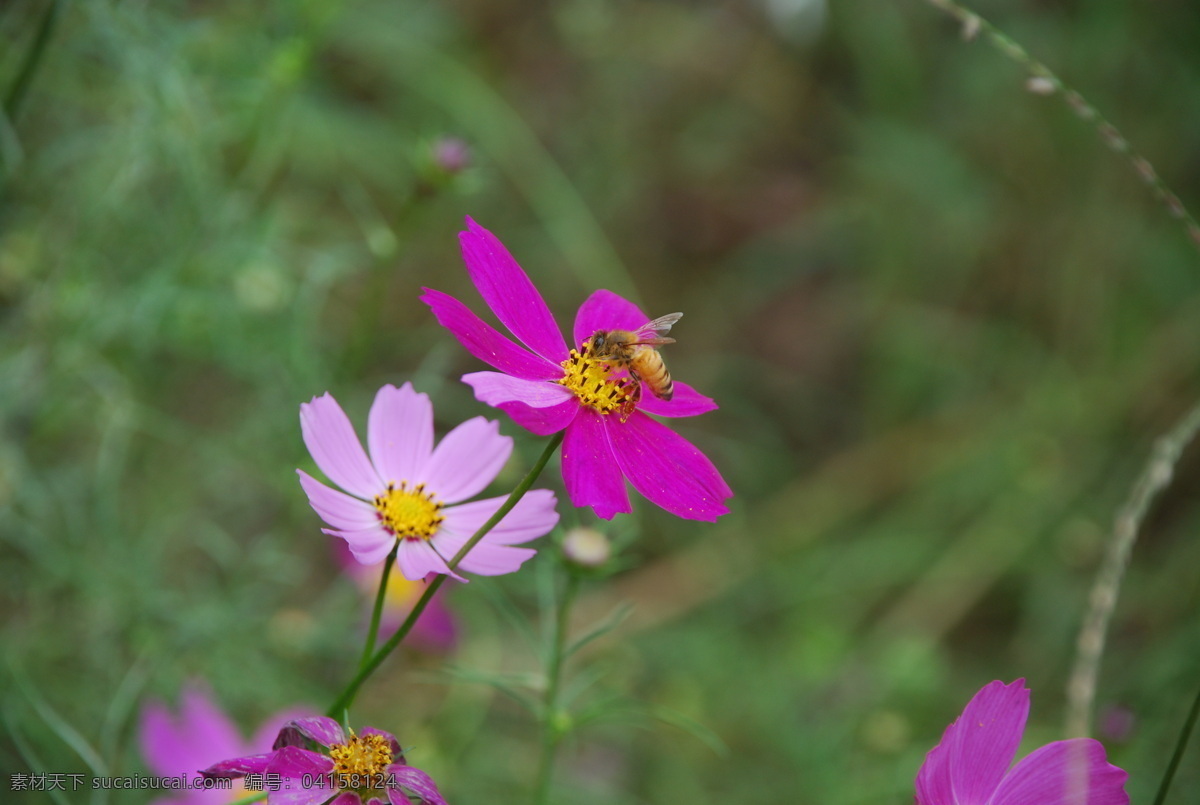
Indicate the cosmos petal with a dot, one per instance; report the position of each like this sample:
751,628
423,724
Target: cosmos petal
605,310
416,559
933,780
368,546
508,291
667,469
685,401
400,433
539,407
484,558
337,508
322,729
418,782
532,517
331,440
239,766
467,460
1064,773
296,765
983,740
484,342
590,470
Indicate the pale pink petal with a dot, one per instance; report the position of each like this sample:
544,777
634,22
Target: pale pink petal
208,727
605,310
400,433
466,460
984,739
484,558
668,469
337,508
330,439
933,780
368,546
532,517
482,341
509,293
417,782
685,401
1073,772
589,468
556,406
164,749
416,559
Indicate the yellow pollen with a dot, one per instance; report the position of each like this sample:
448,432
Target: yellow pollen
363,755
593,383
408,513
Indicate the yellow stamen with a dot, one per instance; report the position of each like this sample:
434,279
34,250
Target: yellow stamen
364,756
593,383
409,513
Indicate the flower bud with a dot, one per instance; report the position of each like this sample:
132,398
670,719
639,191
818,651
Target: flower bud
586,547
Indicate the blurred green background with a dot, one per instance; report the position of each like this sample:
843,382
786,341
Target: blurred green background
943,322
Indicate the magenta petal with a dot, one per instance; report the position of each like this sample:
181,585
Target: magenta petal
337,508
396,797
1073,772
368,546
532,517
322,729
933,780
400,433
417,782
416,559
467,460
485,558
605,310
509,293
984,739
590,470
348,798
166,752
482,341
264,736
668,469
297,765
686,401
239,766
512,398
331,440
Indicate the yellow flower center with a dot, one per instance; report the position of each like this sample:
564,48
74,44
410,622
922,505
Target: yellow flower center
593,383
409,513
362,757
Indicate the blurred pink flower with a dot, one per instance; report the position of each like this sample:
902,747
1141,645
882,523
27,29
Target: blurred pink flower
970,766
409,493
351,769
183,744
435,630
548,388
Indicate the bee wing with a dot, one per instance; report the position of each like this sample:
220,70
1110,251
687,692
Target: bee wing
658,327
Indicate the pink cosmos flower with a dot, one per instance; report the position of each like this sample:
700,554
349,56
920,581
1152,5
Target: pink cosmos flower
971,764
547,388
435,630
175,745
410,493
366,767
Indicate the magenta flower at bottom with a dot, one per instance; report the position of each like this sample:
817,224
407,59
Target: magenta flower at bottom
970,766
365,767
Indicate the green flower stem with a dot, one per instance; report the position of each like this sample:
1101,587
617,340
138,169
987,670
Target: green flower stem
377,611
1188,725
553,724
1044,81
344,700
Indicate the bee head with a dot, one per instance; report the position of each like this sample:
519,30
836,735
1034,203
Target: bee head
599,341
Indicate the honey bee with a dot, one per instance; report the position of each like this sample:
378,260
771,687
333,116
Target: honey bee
637,351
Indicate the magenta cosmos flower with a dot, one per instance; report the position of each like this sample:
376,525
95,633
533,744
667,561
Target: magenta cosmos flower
409,493
547,388
315,762
180,745
971,764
